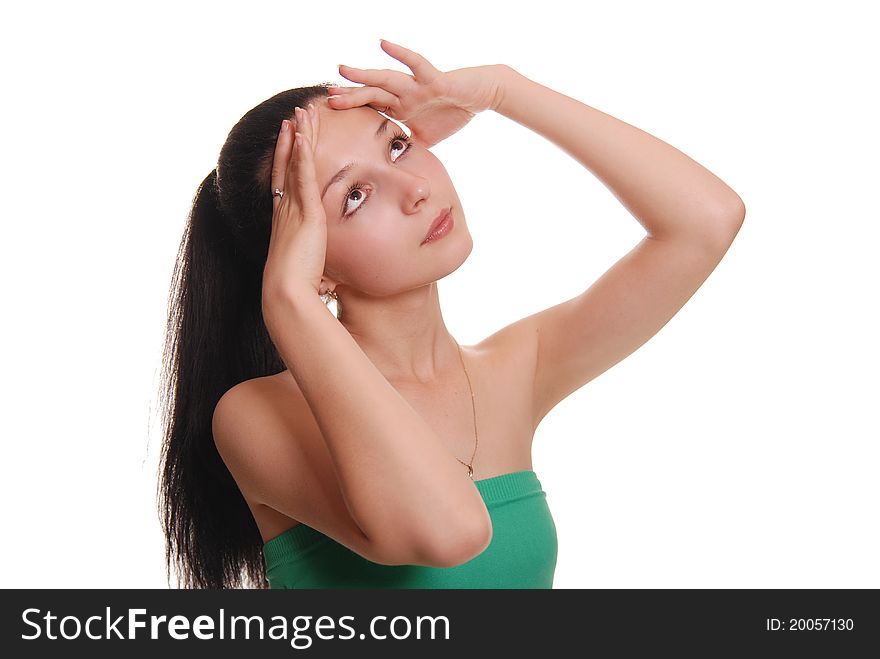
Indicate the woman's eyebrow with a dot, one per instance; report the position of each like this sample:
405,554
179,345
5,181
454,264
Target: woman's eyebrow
343,173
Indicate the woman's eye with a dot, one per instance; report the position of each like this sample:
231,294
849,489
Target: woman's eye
403,140
356,187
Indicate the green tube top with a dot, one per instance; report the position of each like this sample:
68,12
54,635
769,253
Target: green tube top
522,553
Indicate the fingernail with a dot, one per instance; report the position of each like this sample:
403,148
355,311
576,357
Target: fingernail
330,98
285,125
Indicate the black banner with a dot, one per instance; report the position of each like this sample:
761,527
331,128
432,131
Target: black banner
318,623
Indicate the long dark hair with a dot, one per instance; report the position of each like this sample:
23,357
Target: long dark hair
215,338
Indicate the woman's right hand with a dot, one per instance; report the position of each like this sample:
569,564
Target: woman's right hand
298,243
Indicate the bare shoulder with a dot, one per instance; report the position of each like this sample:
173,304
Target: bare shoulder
515,343
264,432
253,428
258,406
511,353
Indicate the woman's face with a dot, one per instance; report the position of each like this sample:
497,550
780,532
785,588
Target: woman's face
379,211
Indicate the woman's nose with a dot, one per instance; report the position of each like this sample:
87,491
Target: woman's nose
417,188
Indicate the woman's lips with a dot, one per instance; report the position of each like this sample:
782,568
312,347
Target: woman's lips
443,228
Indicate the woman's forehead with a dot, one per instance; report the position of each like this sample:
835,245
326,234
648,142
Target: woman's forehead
347,133
361,118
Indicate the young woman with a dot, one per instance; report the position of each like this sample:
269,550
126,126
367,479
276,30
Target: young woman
370,449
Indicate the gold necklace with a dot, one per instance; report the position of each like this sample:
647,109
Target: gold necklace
473,407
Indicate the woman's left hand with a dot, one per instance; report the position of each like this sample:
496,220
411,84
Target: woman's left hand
433,104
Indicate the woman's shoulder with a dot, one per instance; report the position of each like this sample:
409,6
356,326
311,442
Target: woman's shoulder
265,401
269,441
276,389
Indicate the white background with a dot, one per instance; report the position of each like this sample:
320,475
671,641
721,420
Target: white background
738,448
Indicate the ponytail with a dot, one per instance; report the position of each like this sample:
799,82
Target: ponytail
215,339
